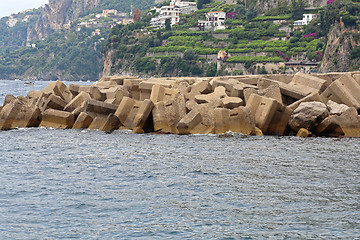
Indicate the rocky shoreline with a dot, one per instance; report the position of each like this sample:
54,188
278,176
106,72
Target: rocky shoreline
305,105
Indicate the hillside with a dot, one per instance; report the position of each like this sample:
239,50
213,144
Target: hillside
63,40
254,43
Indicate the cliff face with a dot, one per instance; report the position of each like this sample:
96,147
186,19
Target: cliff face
337,55
57,14
266,5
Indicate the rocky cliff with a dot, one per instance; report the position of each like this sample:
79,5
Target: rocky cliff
337,56
58,14
267,5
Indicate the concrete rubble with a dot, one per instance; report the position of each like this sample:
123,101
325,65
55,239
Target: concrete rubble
303,105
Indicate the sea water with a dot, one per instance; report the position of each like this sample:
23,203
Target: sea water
81,184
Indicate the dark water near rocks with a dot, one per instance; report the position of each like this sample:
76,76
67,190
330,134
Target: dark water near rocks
73,184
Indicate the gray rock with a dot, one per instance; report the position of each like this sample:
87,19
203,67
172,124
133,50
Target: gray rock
336,108
308,115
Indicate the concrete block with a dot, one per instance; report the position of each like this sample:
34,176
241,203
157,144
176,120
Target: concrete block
189,122
146,86
83,121
8,114
344,90
96,94
8,99
167,114
52,118
203,87
279,122
98,122
160,93
114,95
232,102
263,110
309,82
218,93
99,107
133,86
59,89
52,102
74,89
111,123
77,101
28,116
134,114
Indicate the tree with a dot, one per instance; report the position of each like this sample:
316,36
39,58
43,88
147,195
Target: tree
167,24
297,9
137,15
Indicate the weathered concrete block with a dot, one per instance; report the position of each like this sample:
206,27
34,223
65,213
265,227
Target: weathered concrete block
96,94
52,118
77,101
238,120
344,90
263,110
114,95
279,122
232,102
28,116
8,114
133,86
134,114
160,93
59,89
99,107
239,88
309,82
98,122
167,114
111,123
83,121
189,122
74,89
146,87
8,99
203,87
218,93
52,102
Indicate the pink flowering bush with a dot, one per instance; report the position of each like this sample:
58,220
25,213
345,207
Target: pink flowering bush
330,1
311,35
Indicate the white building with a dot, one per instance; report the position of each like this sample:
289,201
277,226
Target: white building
166,12
185,7
307,18
214,21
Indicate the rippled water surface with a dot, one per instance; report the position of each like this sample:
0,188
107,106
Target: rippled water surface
95,185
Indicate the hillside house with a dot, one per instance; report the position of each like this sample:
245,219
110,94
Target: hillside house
166,12
307,18
214,21
107,12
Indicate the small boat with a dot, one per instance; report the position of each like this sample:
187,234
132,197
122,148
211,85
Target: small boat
29,83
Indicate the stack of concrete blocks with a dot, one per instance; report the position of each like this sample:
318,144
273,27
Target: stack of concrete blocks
243,104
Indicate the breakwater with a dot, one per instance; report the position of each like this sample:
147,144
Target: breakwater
300,104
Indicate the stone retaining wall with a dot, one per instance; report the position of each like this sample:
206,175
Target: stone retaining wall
300,104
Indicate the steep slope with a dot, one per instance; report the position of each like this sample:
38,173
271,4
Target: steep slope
337,56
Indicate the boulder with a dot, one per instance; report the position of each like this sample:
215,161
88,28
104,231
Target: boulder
52,118
308,115
309,98
83,121
336,108
303,133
